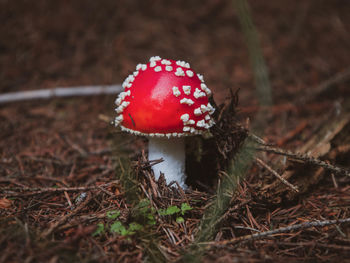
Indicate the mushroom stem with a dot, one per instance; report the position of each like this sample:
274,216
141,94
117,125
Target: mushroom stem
173,153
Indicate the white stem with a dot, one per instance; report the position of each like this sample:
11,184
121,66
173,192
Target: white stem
173,153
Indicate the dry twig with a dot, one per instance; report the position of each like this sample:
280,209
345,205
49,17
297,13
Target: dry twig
270,233
59,92
339,77
64,218
305,158
14,191
277,175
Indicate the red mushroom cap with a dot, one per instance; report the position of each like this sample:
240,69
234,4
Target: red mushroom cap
164,98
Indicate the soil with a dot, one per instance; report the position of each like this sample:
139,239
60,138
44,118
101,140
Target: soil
61,161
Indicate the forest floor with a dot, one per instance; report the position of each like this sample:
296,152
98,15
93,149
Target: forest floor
64,191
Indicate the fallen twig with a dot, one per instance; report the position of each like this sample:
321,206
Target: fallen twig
277,175
257,139
270,233
40,190
305,158
64,218
339,77
59,92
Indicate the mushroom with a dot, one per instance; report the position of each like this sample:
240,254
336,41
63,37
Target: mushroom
166,101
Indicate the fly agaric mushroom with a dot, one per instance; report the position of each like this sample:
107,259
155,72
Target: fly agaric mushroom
166,101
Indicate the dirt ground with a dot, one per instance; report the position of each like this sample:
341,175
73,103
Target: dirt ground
60,159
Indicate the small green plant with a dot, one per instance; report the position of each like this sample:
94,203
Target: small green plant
99,230
113,214
174,210
143,212
171,210
119,228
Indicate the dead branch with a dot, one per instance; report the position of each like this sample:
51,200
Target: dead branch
14,191
339,77
268,234
64,218
59,92
277,175
305,158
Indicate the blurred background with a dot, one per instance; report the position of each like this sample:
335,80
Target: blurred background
46,44
68,142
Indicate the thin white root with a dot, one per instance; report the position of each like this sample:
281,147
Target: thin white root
59,92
